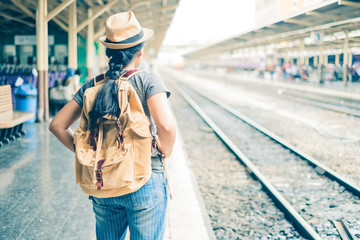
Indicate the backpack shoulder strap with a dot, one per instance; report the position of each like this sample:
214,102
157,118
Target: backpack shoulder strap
99,78
123,87
128,74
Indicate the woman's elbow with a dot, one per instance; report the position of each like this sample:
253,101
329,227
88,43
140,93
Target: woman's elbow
168,128
54,127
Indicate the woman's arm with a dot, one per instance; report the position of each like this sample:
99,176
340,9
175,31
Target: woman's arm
60,125
160,111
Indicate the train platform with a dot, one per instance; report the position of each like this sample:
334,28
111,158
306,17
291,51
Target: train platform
332,88
40,200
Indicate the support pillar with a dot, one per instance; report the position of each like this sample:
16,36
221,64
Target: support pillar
302,58
321,62
72,36
346,57
350,62
337,59
315,61
321,56
287,57
102,58
307,61
326,59
275,57
90,48
42,61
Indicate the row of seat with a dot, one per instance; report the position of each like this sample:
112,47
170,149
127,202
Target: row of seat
10,79
11,122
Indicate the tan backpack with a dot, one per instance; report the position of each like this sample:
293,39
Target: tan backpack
114,159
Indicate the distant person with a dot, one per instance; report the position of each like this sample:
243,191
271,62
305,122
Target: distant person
65,89
72,85
143,210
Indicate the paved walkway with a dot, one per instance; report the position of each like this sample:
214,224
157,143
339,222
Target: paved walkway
335,88
187,216
38,195
40,200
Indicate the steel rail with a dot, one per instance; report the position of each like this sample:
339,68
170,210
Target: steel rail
343,229
332,100
319,167
299,222
323,105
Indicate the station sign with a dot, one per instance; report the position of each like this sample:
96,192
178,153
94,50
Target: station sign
31,40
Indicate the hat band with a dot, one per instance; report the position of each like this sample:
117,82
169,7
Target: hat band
132,39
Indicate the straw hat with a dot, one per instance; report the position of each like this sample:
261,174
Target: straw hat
124,31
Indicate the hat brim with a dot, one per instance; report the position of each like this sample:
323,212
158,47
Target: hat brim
147,35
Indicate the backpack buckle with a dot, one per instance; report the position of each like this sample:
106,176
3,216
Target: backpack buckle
98,174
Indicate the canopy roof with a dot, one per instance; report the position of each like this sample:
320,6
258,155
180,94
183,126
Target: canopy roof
331,18
155,14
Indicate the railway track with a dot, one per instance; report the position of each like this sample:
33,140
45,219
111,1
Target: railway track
310,201
335,104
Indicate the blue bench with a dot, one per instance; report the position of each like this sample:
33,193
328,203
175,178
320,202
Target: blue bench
11,122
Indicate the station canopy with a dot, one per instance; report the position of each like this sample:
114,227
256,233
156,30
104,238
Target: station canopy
327,22
19,16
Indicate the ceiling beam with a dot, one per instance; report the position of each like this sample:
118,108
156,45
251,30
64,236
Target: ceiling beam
126,3
61,24
31,14
325,15
103,9
157,9
24,8
155,26
354,39
99,33
58,9
134,4
158,18
299,22
17,19
349,3
243,37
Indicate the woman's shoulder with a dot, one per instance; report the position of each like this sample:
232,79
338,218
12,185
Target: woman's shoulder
78,97
148,76
88,84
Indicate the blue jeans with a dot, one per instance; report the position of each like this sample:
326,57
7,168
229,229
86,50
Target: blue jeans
144,211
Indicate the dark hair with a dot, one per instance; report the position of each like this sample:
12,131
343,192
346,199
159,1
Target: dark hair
106,102
78,72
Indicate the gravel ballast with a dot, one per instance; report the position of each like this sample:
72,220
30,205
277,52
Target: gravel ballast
289,120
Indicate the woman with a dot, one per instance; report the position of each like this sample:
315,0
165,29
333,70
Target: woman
143,211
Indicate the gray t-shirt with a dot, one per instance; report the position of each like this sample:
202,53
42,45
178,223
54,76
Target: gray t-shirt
146,84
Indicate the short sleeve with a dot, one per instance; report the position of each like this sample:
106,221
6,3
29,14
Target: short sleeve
78,97
154,85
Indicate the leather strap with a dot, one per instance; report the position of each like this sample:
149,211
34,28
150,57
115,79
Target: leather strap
166,175
98,163
98,173
128,74
99,78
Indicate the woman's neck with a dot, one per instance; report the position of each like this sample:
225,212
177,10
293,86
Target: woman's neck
130,66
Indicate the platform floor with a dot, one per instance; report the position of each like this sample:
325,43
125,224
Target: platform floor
40,200
335,88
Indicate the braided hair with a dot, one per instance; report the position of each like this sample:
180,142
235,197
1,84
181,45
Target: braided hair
106,102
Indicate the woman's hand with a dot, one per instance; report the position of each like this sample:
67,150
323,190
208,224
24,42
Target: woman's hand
60,125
